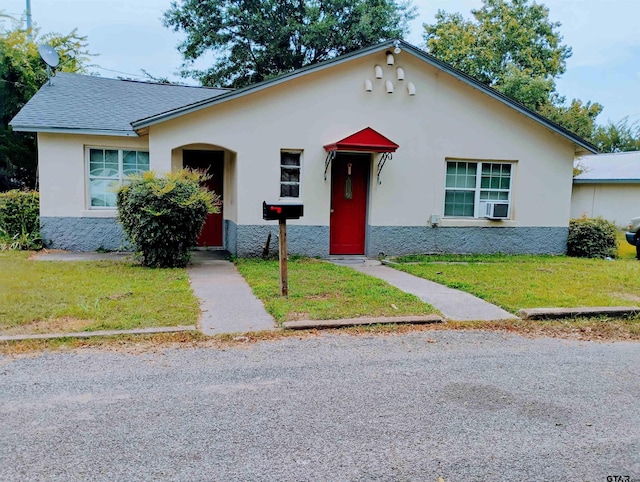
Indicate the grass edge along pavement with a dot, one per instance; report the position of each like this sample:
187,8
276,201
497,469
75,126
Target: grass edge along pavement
515,282
319,290
77,296
583,329
588,328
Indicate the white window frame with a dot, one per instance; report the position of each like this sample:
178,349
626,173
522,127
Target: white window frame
299,152
478,187
121,176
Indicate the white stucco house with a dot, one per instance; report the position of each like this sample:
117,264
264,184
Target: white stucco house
389,149
609,187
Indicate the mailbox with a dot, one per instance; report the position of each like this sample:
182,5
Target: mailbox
277,211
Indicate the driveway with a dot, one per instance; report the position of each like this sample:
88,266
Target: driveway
458,405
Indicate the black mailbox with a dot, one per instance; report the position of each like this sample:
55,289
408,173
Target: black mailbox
277,211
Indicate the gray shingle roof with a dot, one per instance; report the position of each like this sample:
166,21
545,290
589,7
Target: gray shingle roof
86,103
622,167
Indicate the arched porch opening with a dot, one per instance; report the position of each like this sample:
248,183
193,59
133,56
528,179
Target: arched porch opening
220,228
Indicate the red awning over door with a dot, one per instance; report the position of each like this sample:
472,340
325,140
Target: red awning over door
366,140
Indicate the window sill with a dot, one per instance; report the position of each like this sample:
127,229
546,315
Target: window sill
476,222
99,213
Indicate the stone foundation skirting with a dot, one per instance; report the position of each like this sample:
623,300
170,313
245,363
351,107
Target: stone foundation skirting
82,234
230,236
398,240
303,240
91,234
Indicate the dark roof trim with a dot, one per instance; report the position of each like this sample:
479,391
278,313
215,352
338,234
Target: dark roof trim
473,82
606,181
421,54
257,87
67,130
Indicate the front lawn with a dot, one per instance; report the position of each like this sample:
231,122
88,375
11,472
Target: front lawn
57,296
319,290
625,250
515,282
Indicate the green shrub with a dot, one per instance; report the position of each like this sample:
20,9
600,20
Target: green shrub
163,216
20,220
592,238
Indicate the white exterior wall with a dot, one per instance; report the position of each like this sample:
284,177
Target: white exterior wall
445,119
617,203
63,172
230,191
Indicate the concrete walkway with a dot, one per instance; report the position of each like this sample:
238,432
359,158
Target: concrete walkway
454,305
228,305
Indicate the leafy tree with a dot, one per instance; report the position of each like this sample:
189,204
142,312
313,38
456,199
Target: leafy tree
618,137
579,118
22,73
507,39
253,40
513,46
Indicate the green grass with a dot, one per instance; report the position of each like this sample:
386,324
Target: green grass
625,250
46,296
515,282
320,290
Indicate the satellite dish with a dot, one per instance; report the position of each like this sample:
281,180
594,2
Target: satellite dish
49,55
51,58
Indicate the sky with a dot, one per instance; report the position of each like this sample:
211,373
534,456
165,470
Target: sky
128,36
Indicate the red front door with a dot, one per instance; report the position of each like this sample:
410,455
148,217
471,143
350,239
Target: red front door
349,186
212,230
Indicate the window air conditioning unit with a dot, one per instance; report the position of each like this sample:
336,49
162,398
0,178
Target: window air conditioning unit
496,210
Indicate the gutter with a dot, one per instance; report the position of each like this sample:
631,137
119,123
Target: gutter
66,130
172,114
606,181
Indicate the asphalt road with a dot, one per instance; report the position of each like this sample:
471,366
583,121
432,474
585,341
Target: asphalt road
470,406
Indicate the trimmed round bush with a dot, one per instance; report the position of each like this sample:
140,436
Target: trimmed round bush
592,238
20,219
163,216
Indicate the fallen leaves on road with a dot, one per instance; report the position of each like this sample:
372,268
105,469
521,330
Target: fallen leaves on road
596,330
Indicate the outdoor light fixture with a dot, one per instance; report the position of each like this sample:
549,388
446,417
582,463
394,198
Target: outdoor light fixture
368,86
389,86
378,71
400,73
411,88
397,49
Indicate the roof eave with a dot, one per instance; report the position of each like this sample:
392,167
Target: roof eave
582,151
606,181
473,82
65,130
257,87
582,144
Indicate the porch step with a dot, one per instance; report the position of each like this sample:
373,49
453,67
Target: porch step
353,261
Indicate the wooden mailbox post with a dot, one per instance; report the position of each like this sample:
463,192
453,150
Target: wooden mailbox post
282,212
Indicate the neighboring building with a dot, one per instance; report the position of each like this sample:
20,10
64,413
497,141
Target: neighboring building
389,152
609,186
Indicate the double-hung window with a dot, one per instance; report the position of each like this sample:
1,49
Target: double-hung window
290,174
469,185
109,169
